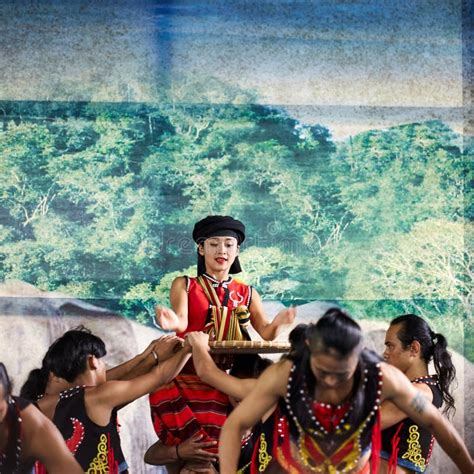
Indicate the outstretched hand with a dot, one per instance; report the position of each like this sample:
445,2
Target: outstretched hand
194,449
198,339
166,318
166,346
285,316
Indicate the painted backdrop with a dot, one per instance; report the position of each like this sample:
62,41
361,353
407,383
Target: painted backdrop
338,131
334,130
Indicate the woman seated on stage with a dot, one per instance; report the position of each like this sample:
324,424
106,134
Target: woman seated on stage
246,368
26,435
86,413
410,345
222,306
329,391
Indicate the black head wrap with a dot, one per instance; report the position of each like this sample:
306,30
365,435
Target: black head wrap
218,226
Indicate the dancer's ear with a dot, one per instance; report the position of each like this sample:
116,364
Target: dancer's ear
415,348
92,363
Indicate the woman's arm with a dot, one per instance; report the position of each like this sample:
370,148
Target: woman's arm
391,414
398,389
269,388
102,399
144,362
266,329
127,369
158,454
209,373
175,319
44,442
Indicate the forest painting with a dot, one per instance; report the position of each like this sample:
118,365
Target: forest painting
338,131
99,201
334,130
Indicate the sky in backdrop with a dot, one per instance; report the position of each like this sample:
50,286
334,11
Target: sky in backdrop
350,65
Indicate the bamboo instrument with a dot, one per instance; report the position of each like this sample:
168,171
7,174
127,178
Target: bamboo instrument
248,347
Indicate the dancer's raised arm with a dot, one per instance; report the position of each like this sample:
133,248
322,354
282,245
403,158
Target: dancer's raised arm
176,317
268,330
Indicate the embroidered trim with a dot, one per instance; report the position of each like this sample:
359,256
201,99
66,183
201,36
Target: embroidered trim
77,436
14,411
347,454
427,380
99,464
414,453
263,457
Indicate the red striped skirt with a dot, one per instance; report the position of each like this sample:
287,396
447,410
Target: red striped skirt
185,407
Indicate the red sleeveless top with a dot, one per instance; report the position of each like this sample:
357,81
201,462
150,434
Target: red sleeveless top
232,293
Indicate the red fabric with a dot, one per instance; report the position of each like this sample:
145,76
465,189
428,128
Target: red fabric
376,444
282,448
329,416
39,468
198,304
254,465
185,407
393,461
77,436
111,462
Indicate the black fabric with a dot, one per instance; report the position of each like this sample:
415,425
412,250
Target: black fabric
261,439
218,226
11,461
85,438
425,437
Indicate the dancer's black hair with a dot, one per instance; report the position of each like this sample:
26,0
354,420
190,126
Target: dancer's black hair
249,366
66,358
335,331
433,348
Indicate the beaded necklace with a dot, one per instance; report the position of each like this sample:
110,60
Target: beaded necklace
319,431
70,392
426,379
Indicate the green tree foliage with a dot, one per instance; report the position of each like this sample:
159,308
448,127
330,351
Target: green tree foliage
99,200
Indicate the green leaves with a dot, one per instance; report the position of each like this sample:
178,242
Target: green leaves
99,200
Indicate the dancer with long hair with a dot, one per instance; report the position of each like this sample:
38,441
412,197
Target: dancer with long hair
43,381
86,413
410,345
329,390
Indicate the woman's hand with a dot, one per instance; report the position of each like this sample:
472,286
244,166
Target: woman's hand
148,350
198,339
285,316
166,346
193,449
166,318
